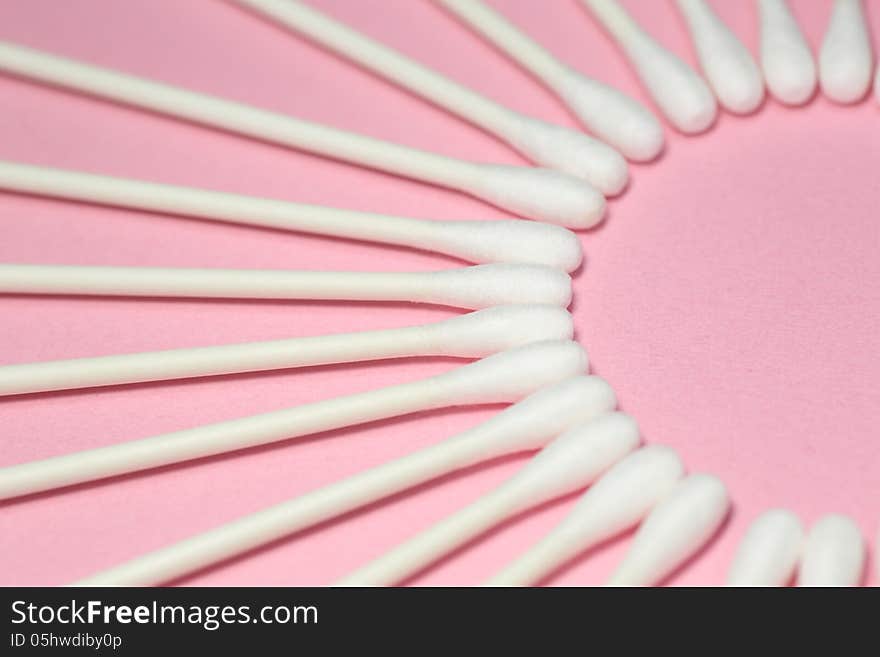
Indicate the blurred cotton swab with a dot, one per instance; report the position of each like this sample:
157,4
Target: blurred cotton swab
610,114
786,59
570,462
505,377
481,242
617,501
727,63
474,335
845,60
769,552
674,531
542,194
544,143
527,425
680,93
834,553
479,286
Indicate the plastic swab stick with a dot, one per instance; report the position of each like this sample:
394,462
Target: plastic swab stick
680,93
727,63
769,552
674,531
845,60
542,194
834,553
570,462
505,377
617,501
474,335
610,114
550,145
527,425
786,59
481,242
479,286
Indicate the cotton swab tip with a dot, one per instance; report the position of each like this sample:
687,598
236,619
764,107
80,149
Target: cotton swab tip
484,286
511,375
500,328
769,552
541,194
574,153
618,119
834,553
512,241
577,457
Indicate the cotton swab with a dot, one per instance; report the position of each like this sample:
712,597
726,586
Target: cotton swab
617,501
674,531
786,59
505,377
570,462
544,143
732,72
479,286
481,242
769,552
528,424
536,193
834,553
474,335
845,60
610,114
678,90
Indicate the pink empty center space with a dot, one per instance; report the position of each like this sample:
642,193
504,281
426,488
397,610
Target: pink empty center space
730,298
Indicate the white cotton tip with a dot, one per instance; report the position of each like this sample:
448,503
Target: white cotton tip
571,152
547,413
769,552
846,60
575,459
540,194
499,328
511,375
613,116
678,90
509,241
727,63
786,58
484,286
834,553
674,531
623,495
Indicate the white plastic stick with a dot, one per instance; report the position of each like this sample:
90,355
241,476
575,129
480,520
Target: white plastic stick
505,377
725,60
769,552
617,501
550,145
481,242
846,61
674,531
542,194
474,335
680,93
570,462
526,425
610,114
786,58
834,553
479,286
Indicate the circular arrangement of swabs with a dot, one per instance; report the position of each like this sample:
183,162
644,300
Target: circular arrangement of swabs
517,287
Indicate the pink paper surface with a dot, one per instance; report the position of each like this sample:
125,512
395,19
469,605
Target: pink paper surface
731,297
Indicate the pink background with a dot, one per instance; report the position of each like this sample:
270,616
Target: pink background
731,298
